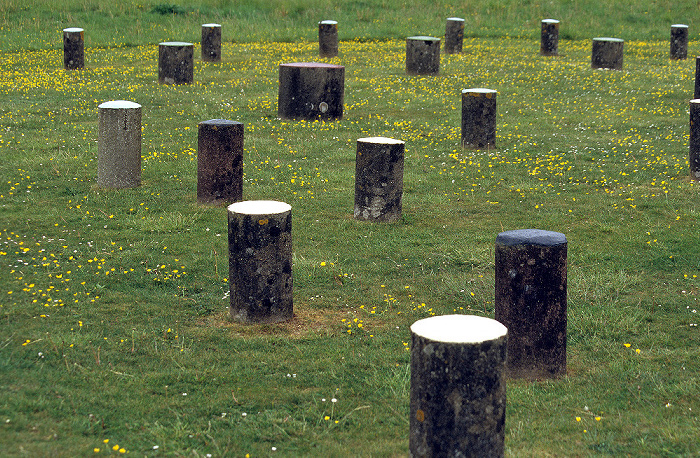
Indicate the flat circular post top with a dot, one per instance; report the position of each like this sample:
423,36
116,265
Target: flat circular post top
530,237
329,22
175,43
695,101
550,21
211,26
459,329
259,207
119,104
478,90
455,19
381,140
614,40
220,122
423,38
73,30
311,65
679,26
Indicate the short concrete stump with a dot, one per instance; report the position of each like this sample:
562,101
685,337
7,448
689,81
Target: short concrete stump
311,90
549,39
422,55
220,162
211,42
607,53
328,39
696,94
175,62
679,42
119,145
458,387
260,261
378,179
73,48
479,118
694,156
531,301
454,35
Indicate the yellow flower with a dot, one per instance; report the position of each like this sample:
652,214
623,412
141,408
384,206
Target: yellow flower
96,450
578,418
323,263
326,418
115,448
598,418
628,345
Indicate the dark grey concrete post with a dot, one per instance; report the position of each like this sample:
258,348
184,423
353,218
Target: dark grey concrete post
220,162
549,40
679,41
328,39
175,62
607,53
211,42
531,301
458,387
422,55
73,48
696,94
119,145
378,179
454,35
694,157
479,118
260,261
311,90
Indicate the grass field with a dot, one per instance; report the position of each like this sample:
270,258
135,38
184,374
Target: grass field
114,333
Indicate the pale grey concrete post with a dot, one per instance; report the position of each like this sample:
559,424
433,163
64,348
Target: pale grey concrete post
119,145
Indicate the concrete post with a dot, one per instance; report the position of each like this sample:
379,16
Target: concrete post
327,39
175,62
119,145
211,42
454,35
549,40
311,90
607,53
422,55
378,179
73,48
679,41
220,162
694,156
479,118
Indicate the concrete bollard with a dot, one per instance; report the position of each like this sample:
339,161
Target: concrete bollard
73,48
260,261
378,179
531,301
479,118
679,41
454,35
220,162
175,62
327,39
311,91
119,145
549,40
694,155
211,42
696,93
422,55
607,53
458,387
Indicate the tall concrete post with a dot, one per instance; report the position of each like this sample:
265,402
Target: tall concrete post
211,42
73,48
119,145
220,162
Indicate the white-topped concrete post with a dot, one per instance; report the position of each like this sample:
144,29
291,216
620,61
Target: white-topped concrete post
422,55
211,42
458,387
175,62
327,39
119,145
454,35
679,42
378,179
260,261
479,118
311,90
694,156
219,162
549,39
607,53
73,48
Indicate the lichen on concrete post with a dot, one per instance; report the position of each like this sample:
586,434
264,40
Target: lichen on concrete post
454,35
458,387
260,261
119,145
175,62
679,42
73,48
379,179
479,118
311,90
219,162
530,300
422,55
607,53
549,37
328,39
694,141
211,42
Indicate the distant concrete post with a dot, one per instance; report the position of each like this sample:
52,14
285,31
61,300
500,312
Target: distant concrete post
175,62
696,94
607,53
328,39
220,162
479,118
378,179
531,301
679,41
454,35
694,157
422,55
260,261
458,387
73,48
119,145
549,40
311,90
211,42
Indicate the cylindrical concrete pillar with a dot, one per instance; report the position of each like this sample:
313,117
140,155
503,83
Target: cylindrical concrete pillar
422,55
211,42
119,145
458,387
679,41
454,35
328,39
607,53
175,62
696,94
378,179
220,162
479,118
531,301
311,90
694,157
549,40
260,261
73,48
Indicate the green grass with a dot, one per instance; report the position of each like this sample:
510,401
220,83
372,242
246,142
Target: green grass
113,320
